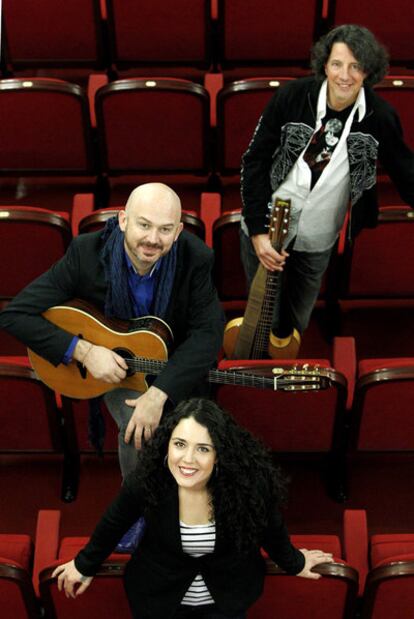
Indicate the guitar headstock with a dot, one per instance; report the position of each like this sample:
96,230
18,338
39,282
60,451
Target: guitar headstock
301,378
279,223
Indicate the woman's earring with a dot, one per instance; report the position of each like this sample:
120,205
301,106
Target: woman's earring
216,470
166,460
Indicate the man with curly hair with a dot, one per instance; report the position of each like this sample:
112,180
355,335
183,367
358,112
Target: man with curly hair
317,144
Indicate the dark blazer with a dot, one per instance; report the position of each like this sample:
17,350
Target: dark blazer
194,313
159,572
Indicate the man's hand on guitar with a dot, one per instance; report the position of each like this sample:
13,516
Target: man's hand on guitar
102,363
146,416
269,257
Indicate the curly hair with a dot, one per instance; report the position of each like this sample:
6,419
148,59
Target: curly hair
371,55
247,482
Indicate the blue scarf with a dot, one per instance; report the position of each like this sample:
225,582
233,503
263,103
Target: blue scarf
118,302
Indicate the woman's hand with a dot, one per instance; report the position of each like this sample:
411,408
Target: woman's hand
312,558
68,576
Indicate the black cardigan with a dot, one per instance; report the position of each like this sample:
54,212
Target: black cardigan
159,572
194,313
282,133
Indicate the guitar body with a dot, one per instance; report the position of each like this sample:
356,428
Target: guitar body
251,337
149,338
278,348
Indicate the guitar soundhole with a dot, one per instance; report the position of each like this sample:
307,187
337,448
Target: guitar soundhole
127,355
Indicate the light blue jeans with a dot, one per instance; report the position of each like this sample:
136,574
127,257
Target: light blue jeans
121,413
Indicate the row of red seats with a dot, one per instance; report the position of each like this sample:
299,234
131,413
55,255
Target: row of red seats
143,125
136,130
375,267
379,569
346,408
196,34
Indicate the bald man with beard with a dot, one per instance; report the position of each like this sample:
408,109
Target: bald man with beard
143,263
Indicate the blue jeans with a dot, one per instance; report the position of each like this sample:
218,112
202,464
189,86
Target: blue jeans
300,283
207,612
115,402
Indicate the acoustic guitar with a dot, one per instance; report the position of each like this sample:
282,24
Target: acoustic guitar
251,337
144,344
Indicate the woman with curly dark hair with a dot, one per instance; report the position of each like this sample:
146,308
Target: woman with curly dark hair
209,492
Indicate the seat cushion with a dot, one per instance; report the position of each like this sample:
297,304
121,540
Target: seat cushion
17,548
387,547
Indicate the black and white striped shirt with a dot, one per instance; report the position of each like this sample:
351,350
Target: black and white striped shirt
197,540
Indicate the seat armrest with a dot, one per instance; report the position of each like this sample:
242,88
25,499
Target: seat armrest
46,542
210,210
356,543
344,360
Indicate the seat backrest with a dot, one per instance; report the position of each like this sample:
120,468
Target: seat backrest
380,263
239,107
32,239
18,387
287,421
228,270
46,32
164,32
264,31
158,125
399,92
17,598
97,219
389,590
48,129
289,597
379,423
105,598
390,21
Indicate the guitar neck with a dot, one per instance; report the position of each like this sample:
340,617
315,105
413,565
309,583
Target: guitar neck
264,324
291,380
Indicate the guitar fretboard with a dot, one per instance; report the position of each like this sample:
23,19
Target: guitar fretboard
304,379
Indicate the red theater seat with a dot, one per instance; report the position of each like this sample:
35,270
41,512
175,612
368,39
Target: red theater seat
294,421
181,30
34,429
285,594
32,240
376,295
17,597
333,596
228,270
156,130
47,130
391,22
104,599
239,107
46,33
389,585
257,34
97,219
384,395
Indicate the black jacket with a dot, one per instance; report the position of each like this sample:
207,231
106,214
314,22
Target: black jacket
159,572
285,128
194,313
